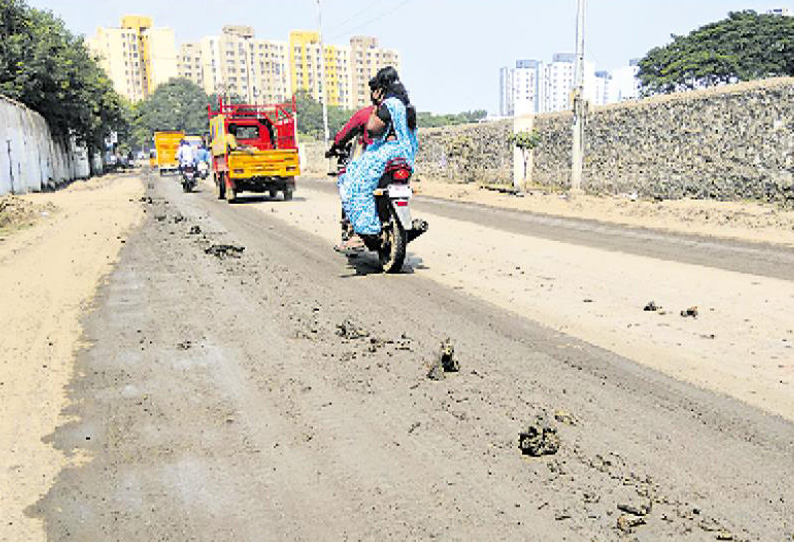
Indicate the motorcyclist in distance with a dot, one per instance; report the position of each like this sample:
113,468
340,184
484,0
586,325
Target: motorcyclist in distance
186,155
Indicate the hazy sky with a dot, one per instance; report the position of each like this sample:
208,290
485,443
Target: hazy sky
451,49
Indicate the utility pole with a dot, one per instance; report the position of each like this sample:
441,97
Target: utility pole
323,90
248,69
578,105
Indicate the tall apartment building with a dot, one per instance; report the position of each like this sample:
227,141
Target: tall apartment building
136,56
506,89
528,87
624,84
305,68
559,82
366,58
347,69
189,63
535,87
237,63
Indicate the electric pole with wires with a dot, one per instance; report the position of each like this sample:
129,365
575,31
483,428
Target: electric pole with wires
323,94
579,105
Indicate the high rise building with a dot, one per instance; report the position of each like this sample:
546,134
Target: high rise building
189,63
366,58
624,84
347,69
506,90
559,82
237,63
528,87
305,68
136,56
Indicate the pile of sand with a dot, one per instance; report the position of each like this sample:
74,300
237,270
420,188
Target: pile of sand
18,212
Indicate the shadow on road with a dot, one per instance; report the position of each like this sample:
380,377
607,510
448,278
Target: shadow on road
366,263
262,198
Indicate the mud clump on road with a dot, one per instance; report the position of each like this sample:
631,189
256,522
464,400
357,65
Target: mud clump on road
540,438
436,372
627,523
350,330
563,416
195,230
225,251
445,363
636,510
690,312
447,357
651,306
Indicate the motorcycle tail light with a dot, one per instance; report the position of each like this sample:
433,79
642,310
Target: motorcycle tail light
401,174
402,203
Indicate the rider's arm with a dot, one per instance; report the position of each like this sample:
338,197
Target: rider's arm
376,124
353,127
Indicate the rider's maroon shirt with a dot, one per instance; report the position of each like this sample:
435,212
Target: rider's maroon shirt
357,125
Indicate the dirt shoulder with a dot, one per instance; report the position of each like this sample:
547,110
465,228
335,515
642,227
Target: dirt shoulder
745,221
55,250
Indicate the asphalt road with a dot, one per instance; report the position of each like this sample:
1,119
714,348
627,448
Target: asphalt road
763,259
282,395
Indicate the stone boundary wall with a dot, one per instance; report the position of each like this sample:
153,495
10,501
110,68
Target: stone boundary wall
30,159
726,143
467,153
459,154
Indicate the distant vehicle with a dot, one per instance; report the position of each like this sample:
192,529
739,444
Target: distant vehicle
189,177
166,145
254,148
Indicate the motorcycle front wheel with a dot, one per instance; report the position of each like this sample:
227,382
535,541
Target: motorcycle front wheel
391,253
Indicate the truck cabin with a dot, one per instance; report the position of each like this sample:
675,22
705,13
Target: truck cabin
256,132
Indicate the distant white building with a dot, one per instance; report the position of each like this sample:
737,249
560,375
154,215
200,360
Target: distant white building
506,105
624,84
537,87
783,12
559,82
603,88
528,89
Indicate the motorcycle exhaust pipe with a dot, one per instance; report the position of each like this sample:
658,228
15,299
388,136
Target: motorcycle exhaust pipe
418,227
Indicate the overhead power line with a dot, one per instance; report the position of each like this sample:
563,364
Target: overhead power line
370,21
356,14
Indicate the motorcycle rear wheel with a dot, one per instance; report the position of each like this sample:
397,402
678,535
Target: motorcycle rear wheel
394,240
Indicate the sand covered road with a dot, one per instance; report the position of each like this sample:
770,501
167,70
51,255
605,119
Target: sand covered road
283,395
740,344
49,272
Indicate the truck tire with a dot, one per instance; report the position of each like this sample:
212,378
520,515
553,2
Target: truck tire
220,183
288,194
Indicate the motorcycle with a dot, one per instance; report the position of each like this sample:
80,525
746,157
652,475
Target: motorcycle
392,201
189,177
203,169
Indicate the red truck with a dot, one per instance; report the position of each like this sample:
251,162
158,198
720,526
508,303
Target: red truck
254,149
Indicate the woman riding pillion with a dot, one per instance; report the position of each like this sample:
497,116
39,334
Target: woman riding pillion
392,125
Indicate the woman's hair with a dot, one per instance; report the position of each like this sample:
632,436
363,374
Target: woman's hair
388,80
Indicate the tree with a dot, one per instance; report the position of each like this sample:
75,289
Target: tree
310,116
526,142
742,47
50,70
178,104
430,120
